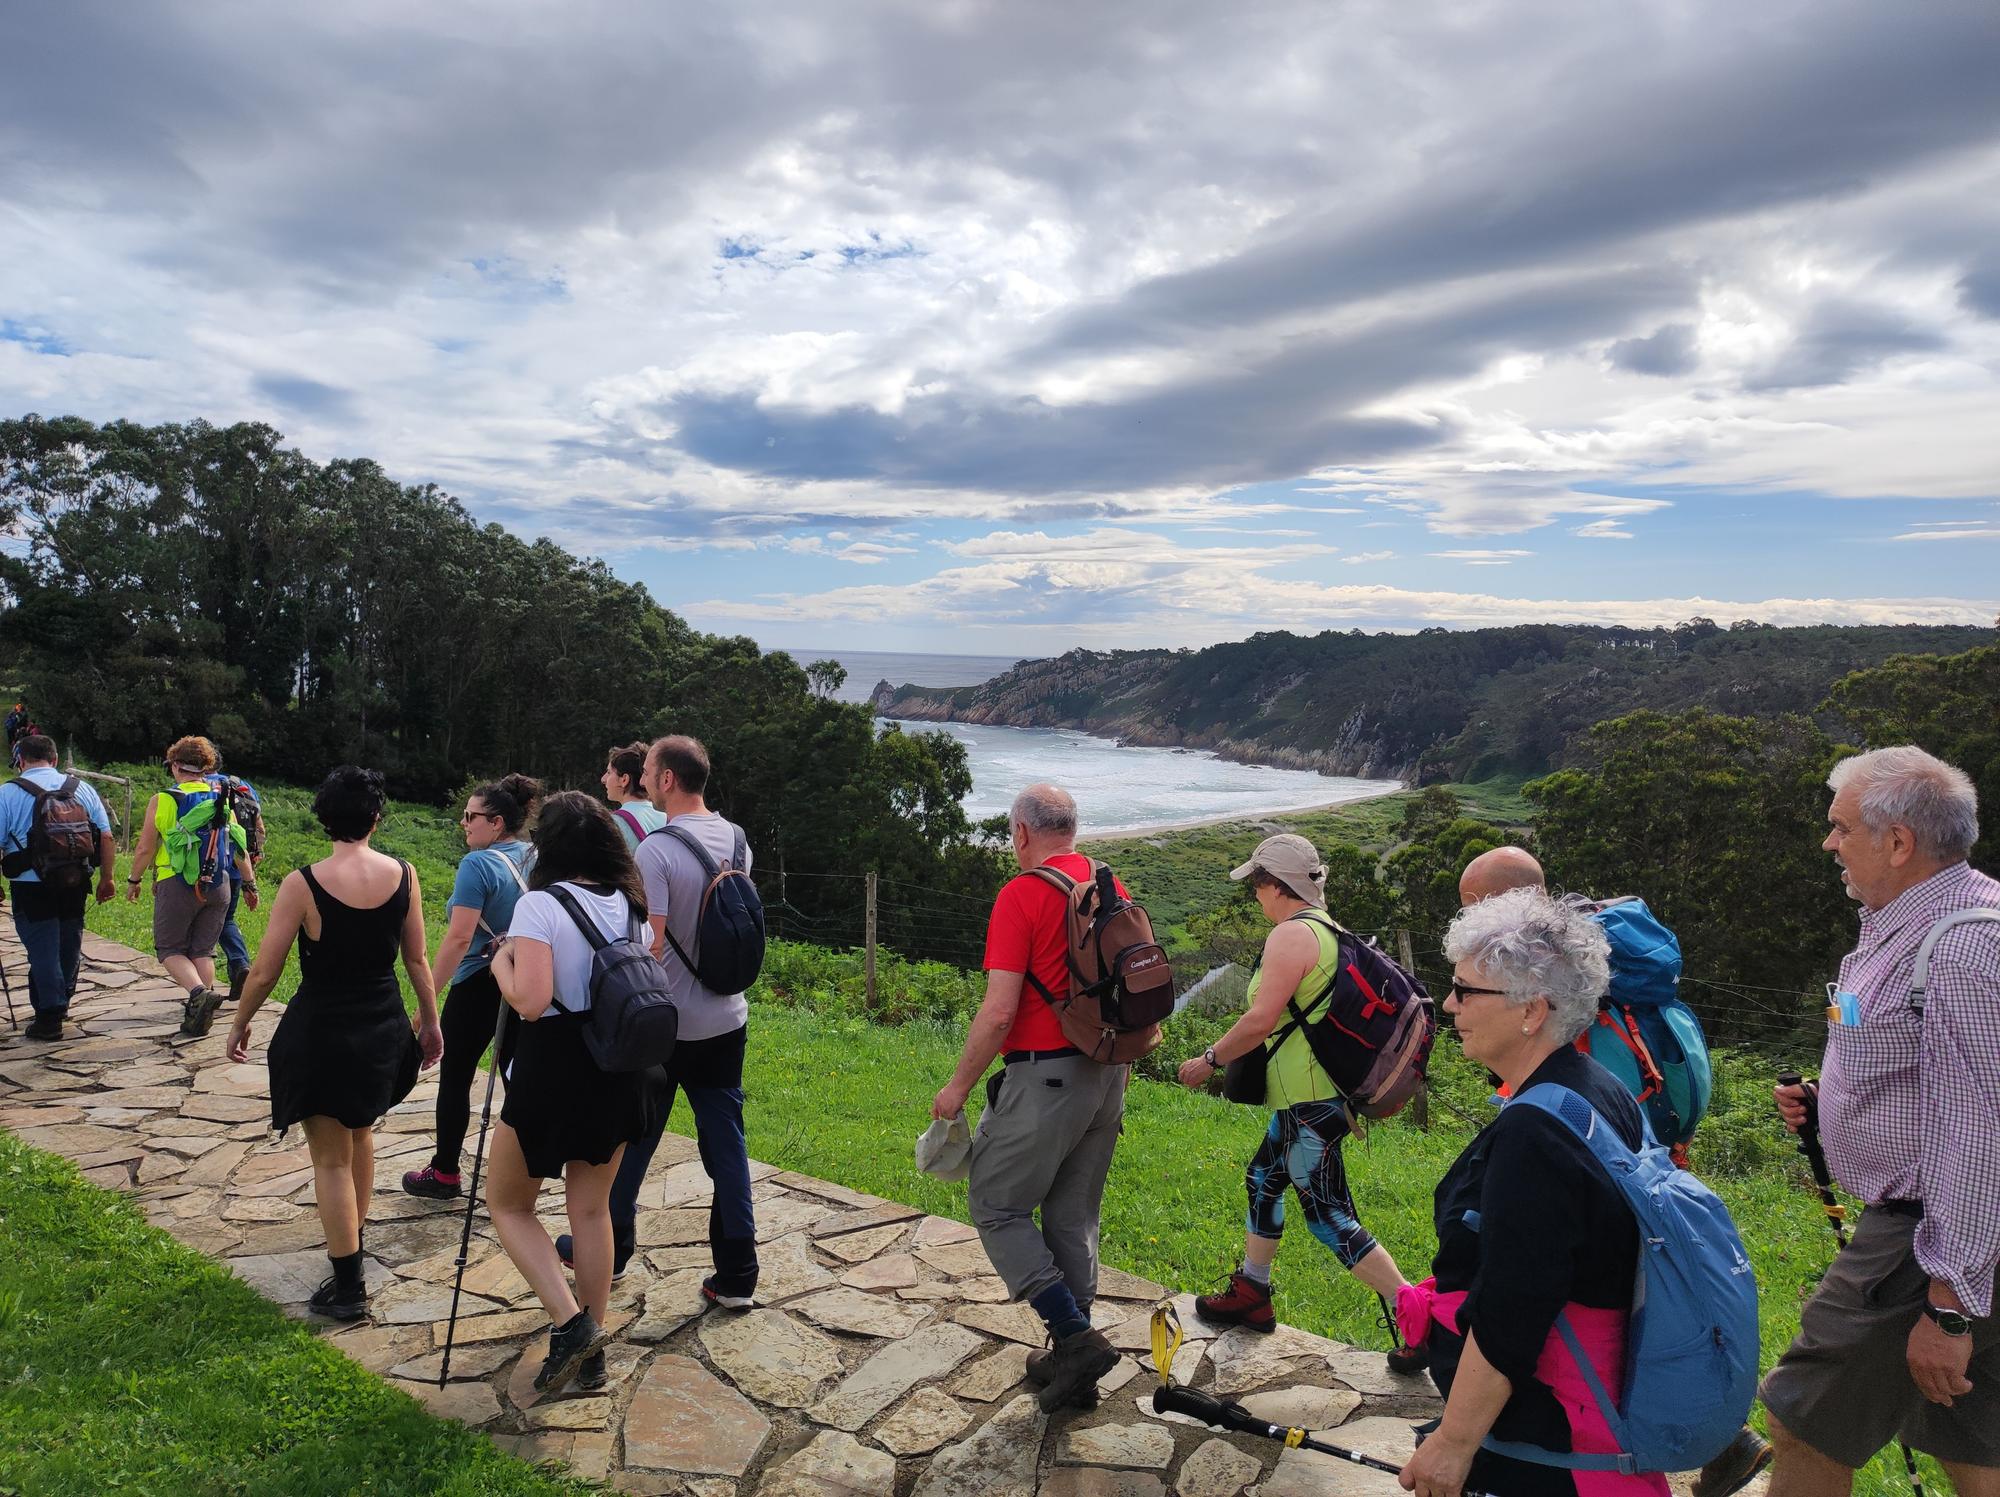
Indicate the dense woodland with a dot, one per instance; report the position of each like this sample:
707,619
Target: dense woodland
1436,705
200,579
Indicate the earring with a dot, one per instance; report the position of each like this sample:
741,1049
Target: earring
1526,1030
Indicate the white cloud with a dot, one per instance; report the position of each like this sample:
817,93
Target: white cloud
1365,558
1970,533
1479,558
1603,530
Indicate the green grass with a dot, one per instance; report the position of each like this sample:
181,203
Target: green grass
129,1363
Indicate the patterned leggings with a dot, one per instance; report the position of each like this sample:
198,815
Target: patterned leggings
1301,1149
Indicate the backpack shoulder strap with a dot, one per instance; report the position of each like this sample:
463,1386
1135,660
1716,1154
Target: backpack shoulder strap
630,820
36,793
740,853
1061,882
512,868
692,843
577,915
1920,976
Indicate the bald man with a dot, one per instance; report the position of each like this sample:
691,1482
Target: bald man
1498,871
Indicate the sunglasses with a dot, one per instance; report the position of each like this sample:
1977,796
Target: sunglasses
1460,991
467,818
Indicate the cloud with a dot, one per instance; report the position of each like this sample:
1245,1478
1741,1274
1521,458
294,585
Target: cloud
1976,531
1368,558
1840,338
1669,351
304,396
1477,558
1603,530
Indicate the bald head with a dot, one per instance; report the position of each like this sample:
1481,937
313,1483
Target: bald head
1496,872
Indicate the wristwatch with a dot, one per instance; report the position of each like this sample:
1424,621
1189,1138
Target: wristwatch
1951,1322
1209,1056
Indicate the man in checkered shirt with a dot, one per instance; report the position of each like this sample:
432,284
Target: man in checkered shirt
1901,1341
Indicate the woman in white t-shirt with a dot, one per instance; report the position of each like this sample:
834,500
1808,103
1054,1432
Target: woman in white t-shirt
563,1115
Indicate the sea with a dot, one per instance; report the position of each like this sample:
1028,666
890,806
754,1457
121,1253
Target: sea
1117,788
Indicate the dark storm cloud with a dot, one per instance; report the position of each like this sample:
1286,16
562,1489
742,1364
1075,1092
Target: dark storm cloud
1671,350
308,397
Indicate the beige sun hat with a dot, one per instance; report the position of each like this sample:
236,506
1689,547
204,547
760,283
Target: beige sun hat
1293,862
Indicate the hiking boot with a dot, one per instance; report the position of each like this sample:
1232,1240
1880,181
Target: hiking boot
622,1249
198,1013
237,977
591,1373
731,1294
1245,1302
432,1183
1040,1369
336,1303
1408,1361
569,1347
1731,1471
1074,1366
44,1027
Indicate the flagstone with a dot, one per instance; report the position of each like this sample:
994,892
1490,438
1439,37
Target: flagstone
672,1228
270,1164
469,1403
496,1278
504,1325
1303,1407
571,1413
1125,1445
684,1419
288,1278
1307,1473
845,1220
70,1139
96,1159
109,1049
770,1355
1015,1322
118,1117
476,1361
941,1231
1217,1469
842,1309
833,1465
958,1260
1096,1481
786,1269
1115,1283
379,1347
187,1146
38,1114
261,1209
780,1218
204,1236
989,1377
224,1109
896,1271
109,1177
688,1255
302,1231
590,1456
151,1098
188,1205
670,1304
924,1356
926,1419
999,1457
826,1190
213,1167
1368,1372
156,1167
857,1247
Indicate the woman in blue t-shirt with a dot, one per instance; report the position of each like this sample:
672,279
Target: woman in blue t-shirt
491,876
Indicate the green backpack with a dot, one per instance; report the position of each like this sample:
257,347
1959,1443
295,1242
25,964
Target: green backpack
197,844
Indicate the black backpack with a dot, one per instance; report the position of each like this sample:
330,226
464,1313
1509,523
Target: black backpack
248,811
632,1023
729,926
62,844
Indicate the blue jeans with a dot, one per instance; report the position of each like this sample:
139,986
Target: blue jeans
711,1073
235,950
50,926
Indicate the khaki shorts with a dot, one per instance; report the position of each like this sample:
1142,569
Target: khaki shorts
188,921
1844,1385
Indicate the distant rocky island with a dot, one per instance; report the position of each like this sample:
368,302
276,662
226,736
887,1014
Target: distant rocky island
1435,705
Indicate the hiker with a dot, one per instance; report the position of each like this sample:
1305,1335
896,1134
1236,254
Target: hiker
248,810
53,828
1672,1049
623,781
492,875
1052,1114
1309,1118
707,1062
1901,1341
345,1052
564,1117
189,842
1528,1223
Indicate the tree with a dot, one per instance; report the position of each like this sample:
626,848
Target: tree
1438,841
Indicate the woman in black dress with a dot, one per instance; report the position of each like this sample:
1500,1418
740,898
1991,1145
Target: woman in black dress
1528,1223
563,1115
345,1051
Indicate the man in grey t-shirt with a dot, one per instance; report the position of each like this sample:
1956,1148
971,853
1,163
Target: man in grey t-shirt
707,1062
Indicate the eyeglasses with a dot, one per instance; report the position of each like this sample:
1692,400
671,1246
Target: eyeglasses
1461,991
471,816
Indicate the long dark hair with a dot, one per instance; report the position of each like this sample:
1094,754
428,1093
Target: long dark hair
577,842
512,798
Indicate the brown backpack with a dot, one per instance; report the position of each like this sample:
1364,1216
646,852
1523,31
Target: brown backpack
1120,984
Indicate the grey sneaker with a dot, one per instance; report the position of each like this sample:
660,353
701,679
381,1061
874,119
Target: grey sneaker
569,1346
198,1013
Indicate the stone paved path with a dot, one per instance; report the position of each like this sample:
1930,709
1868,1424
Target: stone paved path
883,1356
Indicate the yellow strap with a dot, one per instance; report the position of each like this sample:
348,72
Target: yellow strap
1293,1437
1167,1337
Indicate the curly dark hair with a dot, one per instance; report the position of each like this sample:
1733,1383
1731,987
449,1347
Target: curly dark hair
350,802
577,842
512,798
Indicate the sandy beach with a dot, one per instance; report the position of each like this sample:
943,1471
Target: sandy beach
1237,818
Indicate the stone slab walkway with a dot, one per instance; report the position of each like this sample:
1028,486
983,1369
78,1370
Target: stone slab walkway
883,1356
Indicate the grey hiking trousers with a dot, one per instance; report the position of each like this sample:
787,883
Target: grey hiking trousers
1045,1143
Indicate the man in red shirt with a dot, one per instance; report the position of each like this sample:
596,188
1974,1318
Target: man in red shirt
1052,1115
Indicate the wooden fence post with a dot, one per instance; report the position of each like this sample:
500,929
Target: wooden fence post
869,937
1420,1104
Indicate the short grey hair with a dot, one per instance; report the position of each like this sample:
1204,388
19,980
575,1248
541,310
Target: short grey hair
1532,946
1045,810
1904,786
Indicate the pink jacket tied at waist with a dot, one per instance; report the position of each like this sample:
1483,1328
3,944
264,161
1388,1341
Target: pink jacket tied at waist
1602,1333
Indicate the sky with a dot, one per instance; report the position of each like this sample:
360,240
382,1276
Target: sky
1003,328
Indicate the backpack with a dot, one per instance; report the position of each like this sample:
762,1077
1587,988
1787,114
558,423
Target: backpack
1374,1038
632,1023
62,844
197,844
1121,986
729,925
248,811
1645,1035
1691,1347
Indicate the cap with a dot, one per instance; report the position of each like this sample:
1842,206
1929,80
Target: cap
1293,862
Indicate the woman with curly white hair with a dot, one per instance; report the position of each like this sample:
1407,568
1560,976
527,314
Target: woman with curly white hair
1528,1224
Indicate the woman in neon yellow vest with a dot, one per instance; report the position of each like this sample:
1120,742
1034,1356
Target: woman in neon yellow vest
191,840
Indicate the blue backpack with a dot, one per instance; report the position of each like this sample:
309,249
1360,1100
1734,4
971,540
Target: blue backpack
1644,1034
1691,1348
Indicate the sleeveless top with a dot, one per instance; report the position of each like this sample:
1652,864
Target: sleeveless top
356,948
1292,1076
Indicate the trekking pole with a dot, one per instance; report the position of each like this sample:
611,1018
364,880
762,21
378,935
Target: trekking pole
1836,1214
472,1194
7,984
1221,1414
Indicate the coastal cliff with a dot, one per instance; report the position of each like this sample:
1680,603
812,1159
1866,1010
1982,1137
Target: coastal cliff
1417,707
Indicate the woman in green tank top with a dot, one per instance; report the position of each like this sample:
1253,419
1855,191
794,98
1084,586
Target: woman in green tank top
1301,1147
